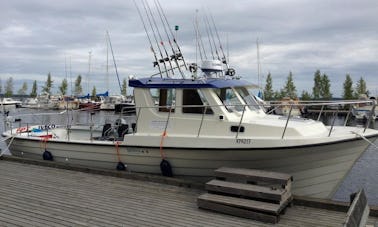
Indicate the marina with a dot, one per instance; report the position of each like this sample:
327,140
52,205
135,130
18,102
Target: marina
191,143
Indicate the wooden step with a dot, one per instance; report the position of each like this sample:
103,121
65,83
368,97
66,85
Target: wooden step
252,176
279,195
261,211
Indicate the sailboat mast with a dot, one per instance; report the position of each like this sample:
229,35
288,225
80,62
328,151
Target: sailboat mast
114,61
107,62
89,70
259,68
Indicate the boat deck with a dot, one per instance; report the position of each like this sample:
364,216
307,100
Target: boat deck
34,195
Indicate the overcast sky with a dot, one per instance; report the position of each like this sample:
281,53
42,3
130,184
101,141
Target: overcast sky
338,37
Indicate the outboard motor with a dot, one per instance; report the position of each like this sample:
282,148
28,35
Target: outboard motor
122,128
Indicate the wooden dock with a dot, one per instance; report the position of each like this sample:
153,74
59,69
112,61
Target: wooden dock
36,195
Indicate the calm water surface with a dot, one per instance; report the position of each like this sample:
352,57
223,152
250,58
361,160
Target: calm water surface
363,174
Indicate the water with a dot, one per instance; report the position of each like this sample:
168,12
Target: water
362,175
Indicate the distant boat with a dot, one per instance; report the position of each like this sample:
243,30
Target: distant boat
30,103
110,102
364,111
283,107
10,102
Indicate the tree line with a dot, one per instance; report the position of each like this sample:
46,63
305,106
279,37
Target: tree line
320,91
48,86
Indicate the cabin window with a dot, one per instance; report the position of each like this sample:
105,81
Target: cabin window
195,101
248,98
229,99
164,98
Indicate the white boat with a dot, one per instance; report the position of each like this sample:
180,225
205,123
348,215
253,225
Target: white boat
10,102
197,132
365,110
286,106
110,102
30,103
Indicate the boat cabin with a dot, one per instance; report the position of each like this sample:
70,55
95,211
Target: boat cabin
191,102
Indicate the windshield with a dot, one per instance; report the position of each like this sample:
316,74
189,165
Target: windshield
248,98
229,99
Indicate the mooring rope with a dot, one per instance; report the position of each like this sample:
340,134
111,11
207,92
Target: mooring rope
9,144
162,154
117,149
366,139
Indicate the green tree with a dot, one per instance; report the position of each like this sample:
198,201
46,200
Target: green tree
78,88
9,87
360,88
33,93
348,88
289,89
1,86
268,90
94,92
23,89
48,84
306,96
63,87
278,95
124,87
316,90
325,90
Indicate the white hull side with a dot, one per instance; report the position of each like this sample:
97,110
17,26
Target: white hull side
317,170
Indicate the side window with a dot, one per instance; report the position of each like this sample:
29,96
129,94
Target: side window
195,101
164,98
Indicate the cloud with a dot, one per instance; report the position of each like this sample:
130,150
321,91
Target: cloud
337,37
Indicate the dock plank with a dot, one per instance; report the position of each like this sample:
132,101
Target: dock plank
247,190
241,203
85,199
253,175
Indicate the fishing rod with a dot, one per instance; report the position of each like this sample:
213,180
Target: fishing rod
229,71
115,65
156,40
212,36
224,61
156,62
208,37
199,39
178,55
161,39
169,39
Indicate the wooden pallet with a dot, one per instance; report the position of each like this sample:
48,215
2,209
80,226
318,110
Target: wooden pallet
255,194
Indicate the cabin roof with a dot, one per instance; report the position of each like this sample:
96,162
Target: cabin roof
188,83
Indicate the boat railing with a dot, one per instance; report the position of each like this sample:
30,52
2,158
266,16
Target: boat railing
323,106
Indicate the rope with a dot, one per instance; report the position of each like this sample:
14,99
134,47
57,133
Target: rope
117,149
162,154
10,142
364,138
44,143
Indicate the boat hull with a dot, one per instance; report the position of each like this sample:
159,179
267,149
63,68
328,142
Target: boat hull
317,170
